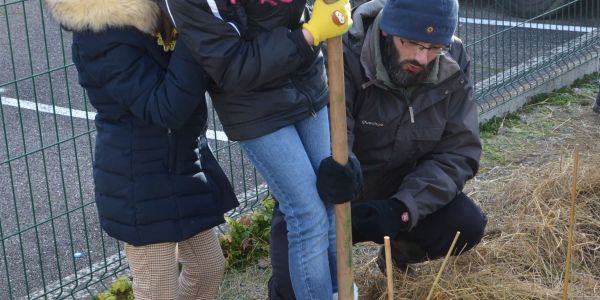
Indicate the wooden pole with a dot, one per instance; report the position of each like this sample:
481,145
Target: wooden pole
339,145
388,268
439,274
571,222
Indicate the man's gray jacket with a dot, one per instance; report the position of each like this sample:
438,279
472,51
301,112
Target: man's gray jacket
420,144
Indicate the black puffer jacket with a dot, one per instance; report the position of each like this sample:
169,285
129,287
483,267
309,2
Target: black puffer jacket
265,76
153,182
417,145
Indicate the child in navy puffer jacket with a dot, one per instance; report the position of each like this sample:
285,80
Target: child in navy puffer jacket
158,187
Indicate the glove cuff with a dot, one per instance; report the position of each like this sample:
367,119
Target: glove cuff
401,211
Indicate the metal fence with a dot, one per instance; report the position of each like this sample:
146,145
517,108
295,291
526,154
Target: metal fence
512,54
51,245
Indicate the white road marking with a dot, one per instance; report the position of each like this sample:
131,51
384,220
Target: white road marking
523,24
81,114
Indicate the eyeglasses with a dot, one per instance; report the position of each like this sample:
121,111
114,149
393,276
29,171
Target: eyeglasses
418,47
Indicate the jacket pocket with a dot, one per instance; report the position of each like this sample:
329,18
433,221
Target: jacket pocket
424,140
411,144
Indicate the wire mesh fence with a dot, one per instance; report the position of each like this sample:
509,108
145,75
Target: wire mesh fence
51,244
516,43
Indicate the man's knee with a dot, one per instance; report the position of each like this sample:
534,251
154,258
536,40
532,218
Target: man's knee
436,232
471,224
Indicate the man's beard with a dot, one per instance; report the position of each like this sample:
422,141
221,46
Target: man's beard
394,65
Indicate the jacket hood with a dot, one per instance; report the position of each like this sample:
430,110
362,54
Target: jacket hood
370,57
98,15
362,16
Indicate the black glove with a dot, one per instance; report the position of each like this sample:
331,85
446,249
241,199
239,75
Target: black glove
339,184
374,219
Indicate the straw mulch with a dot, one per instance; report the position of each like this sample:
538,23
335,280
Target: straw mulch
523,253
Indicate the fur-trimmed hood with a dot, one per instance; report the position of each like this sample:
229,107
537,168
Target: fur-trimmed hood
98,15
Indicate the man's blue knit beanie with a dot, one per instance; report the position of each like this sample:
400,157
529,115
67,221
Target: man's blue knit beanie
429,21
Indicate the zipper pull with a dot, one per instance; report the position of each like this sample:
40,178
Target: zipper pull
169,132
412,116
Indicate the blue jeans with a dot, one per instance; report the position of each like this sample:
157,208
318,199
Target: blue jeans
288,159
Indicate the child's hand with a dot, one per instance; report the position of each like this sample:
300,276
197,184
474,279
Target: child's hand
328,20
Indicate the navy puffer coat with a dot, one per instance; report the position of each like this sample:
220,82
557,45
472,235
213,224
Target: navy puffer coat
155,180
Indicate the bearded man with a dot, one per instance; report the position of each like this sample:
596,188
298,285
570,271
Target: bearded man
412,128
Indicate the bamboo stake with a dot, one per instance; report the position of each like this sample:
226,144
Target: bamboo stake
571,222
439,274
388,268
339,145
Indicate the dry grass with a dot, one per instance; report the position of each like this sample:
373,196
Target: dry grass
523,253
250,283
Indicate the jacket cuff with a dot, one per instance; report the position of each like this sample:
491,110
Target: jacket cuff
410,203
306,51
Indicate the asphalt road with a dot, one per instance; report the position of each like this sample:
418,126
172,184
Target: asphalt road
46,149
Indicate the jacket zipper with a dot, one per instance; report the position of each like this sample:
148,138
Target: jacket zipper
409,103
172,149
404,95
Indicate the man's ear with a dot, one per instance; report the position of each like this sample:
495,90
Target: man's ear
384,33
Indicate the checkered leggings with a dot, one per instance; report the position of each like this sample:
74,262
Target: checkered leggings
156,274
